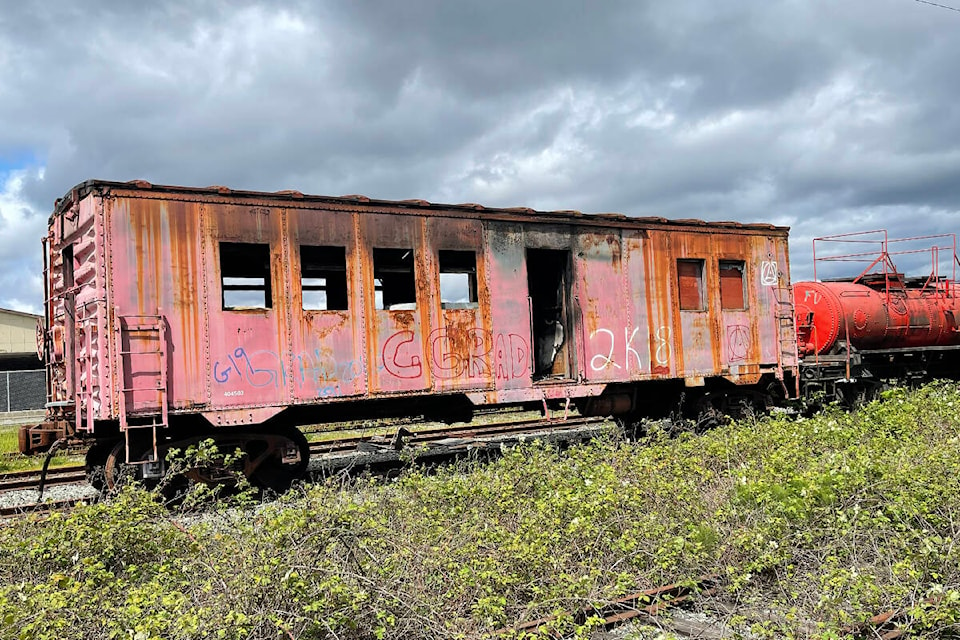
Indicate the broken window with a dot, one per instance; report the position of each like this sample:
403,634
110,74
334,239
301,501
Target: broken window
394,282
458,279
690,285
323,278
245,275
732,295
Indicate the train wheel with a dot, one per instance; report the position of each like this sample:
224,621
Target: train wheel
278,459
95,463
117,471
631,426
707,415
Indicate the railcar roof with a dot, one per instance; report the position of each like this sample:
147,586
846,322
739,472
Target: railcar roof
469,209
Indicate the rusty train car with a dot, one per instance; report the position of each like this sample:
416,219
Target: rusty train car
174,314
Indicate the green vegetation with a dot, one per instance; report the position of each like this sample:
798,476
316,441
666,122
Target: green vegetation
831,519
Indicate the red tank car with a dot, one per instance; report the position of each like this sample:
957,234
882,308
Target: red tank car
899,316
174,314
856,334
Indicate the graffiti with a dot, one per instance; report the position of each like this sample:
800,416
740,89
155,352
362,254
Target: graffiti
265,368
258,369
662,336
602,360
399,359
323,371
816,296
769,274
455,352
452,352
510,356
322,368
738,342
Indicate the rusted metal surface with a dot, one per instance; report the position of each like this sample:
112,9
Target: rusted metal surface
119,253
646,605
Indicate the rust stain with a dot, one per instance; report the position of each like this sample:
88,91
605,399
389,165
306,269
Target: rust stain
403,319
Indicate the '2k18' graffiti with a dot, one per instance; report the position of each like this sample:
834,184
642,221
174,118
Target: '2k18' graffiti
633,347
457,353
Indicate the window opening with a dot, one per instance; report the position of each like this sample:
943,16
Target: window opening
323,278
548,282
245,275
690,285
732,294
458,279
394,282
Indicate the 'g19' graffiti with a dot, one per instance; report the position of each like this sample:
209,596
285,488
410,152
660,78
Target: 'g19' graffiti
257,369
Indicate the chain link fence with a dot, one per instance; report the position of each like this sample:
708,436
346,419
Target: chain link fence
22,390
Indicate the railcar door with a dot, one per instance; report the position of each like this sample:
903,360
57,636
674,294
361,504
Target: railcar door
696,327
549,291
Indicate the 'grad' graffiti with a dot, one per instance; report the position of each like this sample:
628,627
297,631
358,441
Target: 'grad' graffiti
457,353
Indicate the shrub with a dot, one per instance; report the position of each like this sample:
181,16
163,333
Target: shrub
833,518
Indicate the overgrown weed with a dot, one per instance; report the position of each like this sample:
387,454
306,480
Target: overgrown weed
833,518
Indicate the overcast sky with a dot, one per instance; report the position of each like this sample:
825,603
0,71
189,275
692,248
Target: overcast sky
825,115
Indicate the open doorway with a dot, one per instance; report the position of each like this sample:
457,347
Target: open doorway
548,283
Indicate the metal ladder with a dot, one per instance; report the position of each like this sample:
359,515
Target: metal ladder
786,326
83,394
140,329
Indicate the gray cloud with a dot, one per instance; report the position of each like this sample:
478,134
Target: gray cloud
825,116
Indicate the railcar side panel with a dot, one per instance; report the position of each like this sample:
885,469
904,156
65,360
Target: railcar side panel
460,344
660,289
641,346
397,312
696,302
247,301
156,275
327,313
778,337
506,274
738,303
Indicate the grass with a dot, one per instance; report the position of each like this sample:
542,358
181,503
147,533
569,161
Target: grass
12,460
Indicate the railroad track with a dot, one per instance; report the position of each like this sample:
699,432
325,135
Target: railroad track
30,479
647,607
23,510
426,436
643,606
75,474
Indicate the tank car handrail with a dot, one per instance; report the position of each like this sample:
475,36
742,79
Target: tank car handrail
941,285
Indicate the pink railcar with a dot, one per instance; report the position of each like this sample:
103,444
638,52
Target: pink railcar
174,313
